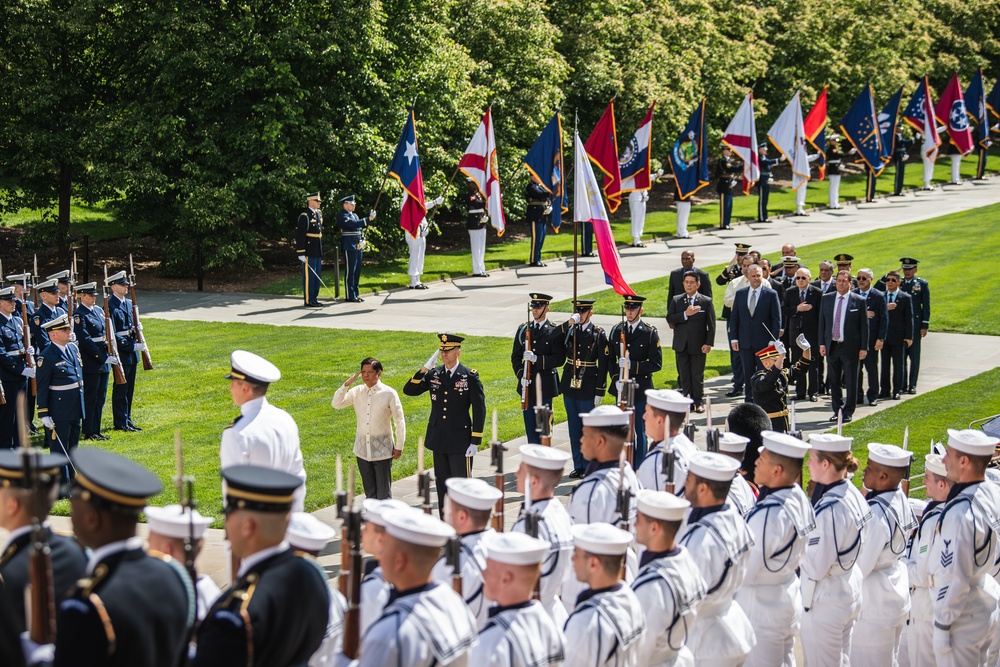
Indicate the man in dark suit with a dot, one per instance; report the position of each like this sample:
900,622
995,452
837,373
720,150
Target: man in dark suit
692,318
826,283
899,305
676,285
545,351
801,316
755,320
878,322
843,336
453,442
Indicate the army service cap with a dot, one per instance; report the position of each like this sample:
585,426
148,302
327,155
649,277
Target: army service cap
904,262
713,466
449,341
414,527
784,444
601,539
843,258
108,478
515,548
892,456
662,505
971,441
830,442
546,458
375,508
769,352
539,300
634,300
57,324
12,466
743,248
259,489
472,493
583,305
668,399
176,521
307,533
252,368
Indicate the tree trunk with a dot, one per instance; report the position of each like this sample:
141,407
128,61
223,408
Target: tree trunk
65,191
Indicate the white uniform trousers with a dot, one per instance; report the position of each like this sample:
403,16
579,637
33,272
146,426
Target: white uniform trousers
477,241
834,190
916,642
956,168
828,626
683,213
875,645
928,171
775,611
971,638
637,208
416,265
800,199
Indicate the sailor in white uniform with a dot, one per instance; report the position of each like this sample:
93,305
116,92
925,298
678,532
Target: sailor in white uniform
468,509
606,627
885,593
963,556
719,541
666,412
742,496
781,523
262,435
375,590
541,469
169,526
425,623
520,632
830,579
669,584
919,631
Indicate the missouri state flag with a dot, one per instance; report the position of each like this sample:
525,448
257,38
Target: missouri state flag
860,127
950,112
688,157
480,164
633,163
741,136
545,160
919,114
602,149
405,168
814,126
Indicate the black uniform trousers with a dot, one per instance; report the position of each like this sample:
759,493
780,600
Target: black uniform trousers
121,397
95,392
763,193
911,365
900,172
892,355
8,412
447,466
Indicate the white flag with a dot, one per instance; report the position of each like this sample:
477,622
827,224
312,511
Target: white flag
741,136
789,137
480,164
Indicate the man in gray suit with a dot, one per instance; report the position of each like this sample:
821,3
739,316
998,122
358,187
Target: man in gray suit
843,335
754,323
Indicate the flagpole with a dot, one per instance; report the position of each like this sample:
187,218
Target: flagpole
385,177
576,238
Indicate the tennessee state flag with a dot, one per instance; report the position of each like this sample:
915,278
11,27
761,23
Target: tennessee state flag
950,112
405,168
602,149
815,129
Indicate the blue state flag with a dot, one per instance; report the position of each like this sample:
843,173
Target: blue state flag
993,99
861,127
975,106
688,157
888,124
545,160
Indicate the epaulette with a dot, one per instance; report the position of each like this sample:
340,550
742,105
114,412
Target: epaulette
8,553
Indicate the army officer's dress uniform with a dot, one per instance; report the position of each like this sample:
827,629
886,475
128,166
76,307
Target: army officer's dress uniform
584,377
309,248
539,201
549,352
277,611
60,391
770,387
120,312
475,222
13,372
91,338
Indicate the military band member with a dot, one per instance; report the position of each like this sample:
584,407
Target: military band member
664,417
425,623
352,244
781,523
540,472
607,625
130,608
476,218
719,541
375,590
742,494
585,375
277,611
920,298
669,585
16,517
309,247
546,353
770,385
14,373
263,434
919,631
519,633
645,357
59,379
469,508
964,556
830,578
727,172
129,348
169,527
539,216
91,338
454,442
307,535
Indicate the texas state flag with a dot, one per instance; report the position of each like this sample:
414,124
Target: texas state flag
405,168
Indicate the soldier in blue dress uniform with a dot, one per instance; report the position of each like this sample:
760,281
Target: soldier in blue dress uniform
352,243
13,372
727,171
48,309
91,338
60,388
764,184
539,215
64,283
22,287
309,247
120,312
546,353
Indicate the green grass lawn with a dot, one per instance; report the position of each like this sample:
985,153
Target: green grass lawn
959,303
187,391
504,253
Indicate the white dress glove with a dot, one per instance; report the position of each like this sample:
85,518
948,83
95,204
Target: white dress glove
575,318
548,210
780,347
114,361
433,360
471,451
140,347
598,400
439,200
36,654
31,350
802,342
302,258
525,382
618,386
28,372
622,363
371,216
529,356
942,641
48,422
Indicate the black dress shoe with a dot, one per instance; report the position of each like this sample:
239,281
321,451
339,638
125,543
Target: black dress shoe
895,396
735,392
848,418
813,398
358,300
540,264
133,428
480,275
100,436
577,473
122,428
873,402
638,245
883,396
90,436
910,390
698,408
589,254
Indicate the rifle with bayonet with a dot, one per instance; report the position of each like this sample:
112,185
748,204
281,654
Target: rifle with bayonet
793,430
496,458
352,617
669,459
70,306
624,501
29,359
543,415
526,369
110,339
423,479
531,528
626,403
147,361
906,448
34,281
712,435
343,502
453,559
185,498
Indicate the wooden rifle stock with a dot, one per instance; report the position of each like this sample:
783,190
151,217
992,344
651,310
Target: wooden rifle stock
110,340
147,361
496,453
352,617
453,557
29,361
669,458
531,530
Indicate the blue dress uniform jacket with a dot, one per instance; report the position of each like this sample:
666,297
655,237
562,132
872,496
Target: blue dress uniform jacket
547,344
585,374
450,428
645,356
68,564
40,337
120,312
60,367
134,609
275,614
91,338
920,292
352,239
11,366
309,233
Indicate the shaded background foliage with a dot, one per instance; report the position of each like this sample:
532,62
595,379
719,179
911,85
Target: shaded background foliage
208,121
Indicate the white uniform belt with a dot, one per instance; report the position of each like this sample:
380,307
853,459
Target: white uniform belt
100,339
124,331
15,353
477,210
350,233
64,387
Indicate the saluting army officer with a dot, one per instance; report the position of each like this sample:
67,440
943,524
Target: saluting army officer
585,375
14,373
60,388
546,352
309,248
352,244
455,428
91,338
277,611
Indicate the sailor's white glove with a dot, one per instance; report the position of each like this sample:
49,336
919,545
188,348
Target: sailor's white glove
942,641
433,360
48,422
302,258
28,372
114,361
529,356
780,347
802,342
575,318
471,451
140,347
525,382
